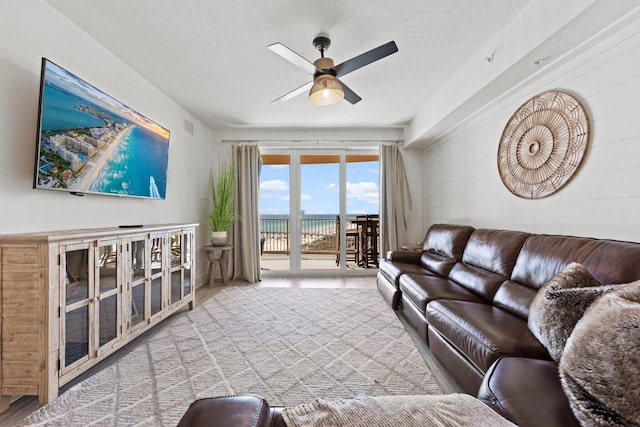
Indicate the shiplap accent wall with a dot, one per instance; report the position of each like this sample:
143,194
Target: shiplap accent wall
460,173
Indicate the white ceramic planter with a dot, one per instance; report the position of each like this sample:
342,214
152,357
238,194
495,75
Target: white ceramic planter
218,238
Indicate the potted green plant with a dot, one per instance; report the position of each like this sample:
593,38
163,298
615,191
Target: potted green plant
220,214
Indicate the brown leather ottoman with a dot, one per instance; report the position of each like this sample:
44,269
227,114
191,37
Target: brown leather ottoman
227,411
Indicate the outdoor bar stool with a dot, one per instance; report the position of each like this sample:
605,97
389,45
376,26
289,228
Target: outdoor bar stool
351,233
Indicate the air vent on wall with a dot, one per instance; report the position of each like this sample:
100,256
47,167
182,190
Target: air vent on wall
188,126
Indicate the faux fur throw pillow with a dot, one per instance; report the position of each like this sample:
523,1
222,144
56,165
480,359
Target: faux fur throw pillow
560,303
600,368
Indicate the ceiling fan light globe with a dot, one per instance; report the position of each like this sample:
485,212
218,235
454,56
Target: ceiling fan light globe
326,90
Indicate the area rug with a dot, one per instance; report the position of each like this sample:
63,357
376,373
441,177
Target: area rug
288,345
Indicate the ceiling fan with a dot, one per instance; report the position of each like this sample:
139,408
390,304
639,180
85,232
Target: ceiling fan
326,88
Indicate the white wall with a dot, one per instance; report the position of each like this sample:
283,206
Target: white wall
30,30
461,181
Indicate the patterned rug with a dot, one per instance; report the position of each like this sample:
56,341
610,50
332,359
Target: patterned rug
288,345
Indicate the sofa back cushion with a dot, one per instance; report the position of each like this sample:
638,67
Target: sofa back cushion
614,262
543,256
514,298
488,260
443,246
448,240
439,264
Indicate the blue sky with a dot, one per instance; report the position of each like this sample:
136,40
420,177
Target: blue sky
319,188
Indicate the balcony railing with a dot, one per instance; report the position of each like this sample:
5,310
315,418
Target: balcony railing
318,235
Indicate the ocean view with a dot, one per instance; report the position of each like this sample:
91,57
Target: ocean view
310,223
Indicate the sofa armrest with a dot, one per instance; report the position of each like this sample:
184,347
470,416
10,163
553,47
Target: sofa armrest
408,257
527,392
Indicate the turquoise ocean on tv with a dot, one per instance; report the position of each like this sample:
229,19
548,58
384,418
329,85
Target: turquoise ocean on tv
139,164
136,159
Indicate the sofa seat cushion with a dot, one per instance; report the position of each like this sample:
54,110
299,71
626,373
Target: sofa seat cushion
392,270
420,289
527,392
483,333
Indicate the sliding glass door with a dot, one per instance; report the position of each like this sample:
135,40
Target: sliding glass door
275,219
311,206
319,211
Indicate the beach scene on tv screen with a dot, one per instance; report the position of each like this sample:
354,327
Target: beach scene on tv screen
92,143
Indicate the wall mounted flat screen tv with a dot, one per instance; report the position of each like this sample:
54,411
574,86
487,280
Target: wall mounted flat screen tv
89,142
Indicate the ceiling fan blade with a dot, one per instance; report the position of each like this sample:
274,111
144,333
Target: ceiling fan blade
350,95
365,58
293,57
305,87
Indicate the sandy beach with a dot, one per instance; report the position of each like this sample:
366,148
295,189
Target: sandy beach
94,167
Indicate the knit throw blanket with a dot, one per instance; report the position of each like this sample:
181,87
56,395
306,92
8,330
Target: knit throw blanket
399,411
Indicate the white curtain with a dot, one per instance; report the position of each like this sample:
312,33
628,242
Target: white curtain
246,233
395,198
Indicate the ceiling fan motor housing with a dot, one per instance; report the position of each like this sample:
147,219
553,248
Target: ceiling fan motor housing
325,64
321,43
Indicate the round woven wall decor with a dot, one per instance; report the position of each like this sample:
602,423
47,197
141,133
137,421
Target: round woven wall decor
543,145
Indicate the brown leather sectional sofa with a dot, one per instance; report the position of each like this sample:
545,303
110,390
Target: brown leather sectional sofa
467,295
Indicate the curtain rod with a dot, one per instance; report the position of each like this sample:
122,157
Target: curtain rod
313,141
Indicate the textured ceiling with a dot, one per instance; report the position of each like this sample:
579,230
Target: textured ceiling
211,56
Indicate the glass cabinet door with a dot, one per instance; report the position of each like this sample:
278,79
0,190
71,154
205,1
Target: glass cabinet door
181,263
76,309
177,252
157,267
188,262
113,287
177,249
139,263
108,277
76,330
